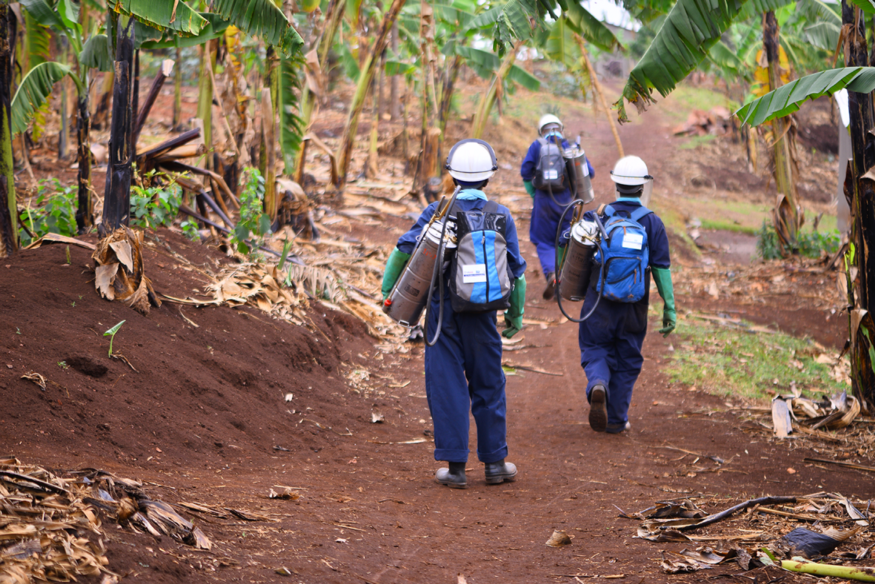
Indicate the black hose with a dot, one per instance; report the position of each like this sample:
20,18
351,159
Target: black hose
559,268
438,273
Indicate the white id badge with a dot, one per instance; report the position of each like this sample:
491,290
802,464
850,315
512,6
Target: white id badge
633,240
473,273
551,174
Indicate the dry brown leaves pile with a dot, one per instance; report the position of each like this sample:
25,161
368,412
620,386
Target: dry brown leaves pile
51,528
120,274
741,537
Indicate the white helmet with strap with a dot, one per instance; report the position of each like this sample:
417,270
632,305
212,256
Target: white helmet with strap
472,161
547,120
630,171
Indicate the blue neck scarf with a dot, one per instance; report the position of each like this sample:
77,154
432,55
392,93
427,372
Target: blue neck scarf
622,199
470,195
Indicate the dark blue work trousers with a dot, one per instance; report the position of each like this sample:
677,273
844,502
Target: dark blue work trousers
610,350
463,372
545,220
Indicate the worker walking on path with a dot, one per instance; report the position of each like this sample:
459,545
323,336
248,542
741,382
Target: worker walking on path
543,172
486,272
612,337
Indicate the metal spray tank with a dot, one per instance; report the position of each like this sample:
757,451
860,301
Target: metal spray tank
577,267
410,294
578,172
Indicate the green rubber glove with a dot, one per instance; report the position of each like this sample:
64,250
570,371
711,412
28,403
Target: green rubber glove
513,316
662,277
530,188
394,267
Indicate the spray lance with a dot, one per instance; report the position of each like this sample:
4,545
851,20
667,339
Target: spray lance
412,292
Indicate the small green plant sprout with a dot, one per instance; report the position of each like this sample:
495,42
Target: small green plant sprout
111,334
63,365
69,261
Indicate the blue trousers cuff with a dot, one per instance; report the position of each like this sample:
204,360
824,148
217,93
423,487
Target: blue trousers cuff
494,456
444,454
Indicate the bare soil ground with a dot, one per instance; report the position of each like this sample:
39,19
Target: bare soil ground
204,420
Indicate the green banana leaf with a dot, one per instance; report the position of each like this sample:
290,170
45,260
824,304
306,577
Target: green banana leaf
509,20
263,19
588,26
726,59
787,99
95,53
35,88
819,11
37,40
291,126
687,35
160,14
484,63
559,45
43,13
524,78
867,6
395,67
823,35
215,28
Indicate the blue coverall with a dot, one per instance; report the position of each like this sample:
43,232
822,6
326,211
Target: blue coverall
546,212
611,339
463,370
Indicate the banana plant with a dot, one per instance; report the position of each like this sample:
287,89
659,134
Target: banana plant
37,85
8,209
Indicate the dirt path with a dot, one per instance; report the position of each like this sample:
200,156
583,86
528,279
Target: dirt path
370,511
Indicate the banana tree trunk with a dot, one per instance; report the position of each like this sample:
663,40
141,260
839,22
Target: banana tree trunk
448,87
344,151
177,93
394,106
271,204
205,99
488,100
860,260
84,210
8,209
117,195
787,214
333,18
371,164
596,86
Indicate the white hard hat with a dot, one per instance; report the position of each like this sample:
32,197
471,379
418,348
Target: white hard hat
630,170
549,119
472,160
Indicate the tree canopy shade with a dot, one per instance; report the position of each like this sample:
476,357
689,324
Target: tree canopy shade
688,34
787,99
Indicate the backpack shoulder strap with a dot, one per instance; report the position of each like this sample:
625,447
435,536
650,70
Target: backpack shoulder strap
490,207
608,211
542,141
640,213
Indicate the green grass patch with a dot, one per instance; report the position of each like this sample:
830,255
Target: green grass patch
685,98
734,362
696,141
728,225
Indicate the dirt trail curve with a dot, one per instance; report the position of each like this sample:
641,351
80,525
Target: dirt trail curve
370,511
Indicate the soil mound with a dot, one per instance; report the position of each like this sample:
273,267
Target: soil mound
202,385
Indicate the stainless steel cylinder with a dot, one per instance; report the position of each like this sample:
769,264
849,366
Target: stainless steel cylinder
578,172
577,268
407,299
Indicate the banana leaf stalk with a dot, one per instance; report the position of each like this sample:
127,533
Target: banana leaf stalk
486,103
368,69
826,570
597,88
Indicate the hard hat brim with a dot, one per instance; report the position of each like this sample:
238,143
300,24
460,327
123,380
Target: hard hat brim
628,180
471,176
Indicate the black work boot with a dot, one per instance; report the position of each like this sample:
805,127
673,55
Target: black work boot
598,410
499,472
617,428
551,282
453,477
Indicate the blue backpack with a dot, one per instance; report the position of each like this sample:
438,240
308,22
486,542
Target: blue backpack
624,256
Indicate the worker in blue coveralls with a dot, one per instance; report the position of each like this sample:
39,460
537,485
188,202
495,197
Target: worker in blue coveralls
612,337
463,369
548,204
